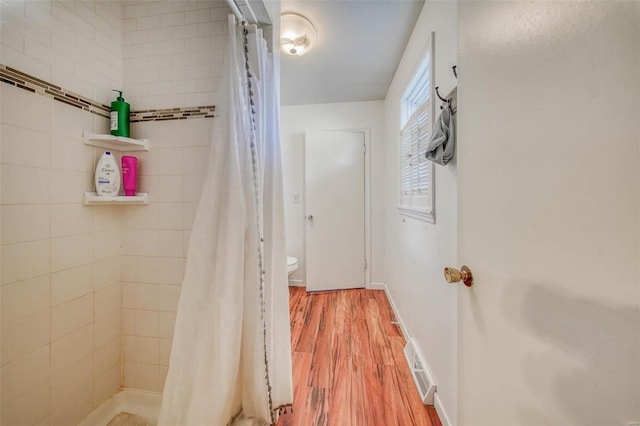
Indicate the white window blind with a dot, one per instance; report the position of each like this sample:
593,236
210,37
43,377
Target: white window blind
416,172
416,169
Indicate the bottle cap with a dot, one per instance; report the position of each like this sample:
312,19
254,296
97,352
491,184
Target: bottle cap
120,98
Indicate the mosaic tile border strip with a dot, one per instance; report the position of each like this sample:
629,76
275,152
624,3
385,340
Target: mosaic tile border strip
172,114
32,84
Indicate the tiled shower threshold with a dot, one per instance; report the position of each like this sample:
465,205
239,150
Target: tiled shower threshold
129,407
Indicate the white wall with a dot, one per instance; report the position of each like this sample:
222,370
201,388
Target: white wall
74,44
295,120
549,106
173,52
415,251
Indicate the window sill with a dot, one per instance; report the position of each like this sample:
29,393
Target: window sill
423,215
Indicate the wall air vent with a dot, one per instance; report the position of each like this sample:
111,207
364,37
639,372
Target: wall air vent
424,381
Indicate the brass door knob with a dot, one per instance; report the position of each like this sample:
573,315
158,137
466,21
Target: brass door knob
452,275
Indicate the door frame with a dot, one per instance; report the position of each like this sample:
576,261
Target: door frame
367,198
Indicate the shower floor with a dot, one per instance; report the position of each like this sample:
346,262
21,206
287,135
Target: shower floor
126,419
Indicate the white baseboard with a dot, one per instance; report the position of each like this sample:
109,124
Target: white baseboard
405,333
296,283
142,403
376,286
442,413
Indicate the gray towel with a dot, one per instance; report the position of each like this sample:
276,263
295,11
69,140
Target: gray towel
442,143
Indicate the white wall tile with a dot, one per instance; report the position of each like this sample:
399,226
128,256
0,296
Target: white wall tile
145,296
108,301
143,218
24,260
168,297
107,328
129,349
171,270
24,222
147,350
170,161
170,189
70,252
108,218
71,284
196,159
148,323
189,214
69,187
165,351
24,185
71,219
70,316
20,106
172,20
130,375
107,244
71,155
192,187
184,5
24,298
29,407
136,10
196,16
25,147
128,322
170,215
107,356
107,272
166,324
141,242
78,406
66,382
108,384
25,336
141,269
24,374
69,121
170,243
148,377
71,348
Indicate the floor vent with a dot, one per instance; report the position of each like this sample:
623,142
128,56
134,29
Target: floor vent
424,382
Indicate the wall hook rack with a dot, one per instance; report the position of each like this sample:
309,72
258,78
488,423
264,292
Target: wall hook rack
440,97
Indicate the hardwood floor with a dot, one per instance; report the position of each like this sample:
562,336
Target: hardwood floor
348,363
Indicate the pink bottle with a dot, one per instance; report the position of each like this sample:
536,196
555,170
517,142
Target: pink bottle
129,174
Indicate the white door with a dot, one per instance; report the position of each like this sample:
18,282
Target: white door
335,209
548,206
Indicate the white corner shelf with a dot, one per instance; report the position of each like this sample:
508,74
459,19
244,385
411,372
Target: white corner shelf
93,199
115,143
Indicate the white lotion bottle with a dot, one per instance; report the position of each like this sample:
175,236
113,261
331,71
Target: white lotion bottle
107,176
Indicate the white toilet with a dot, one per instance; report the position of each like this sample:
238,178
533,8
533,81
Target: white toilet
292,264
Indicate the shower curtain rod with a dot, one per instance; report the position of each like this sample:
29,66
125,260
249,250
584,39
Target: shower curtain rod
236,11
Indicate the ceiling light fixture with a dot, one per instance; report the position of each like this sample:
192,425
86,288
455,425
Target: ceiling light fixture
297,34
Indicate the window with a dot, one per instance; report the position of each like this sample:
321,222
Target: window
416,172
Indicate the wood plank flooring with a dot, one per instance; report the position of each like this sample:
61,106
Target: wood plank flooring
348,363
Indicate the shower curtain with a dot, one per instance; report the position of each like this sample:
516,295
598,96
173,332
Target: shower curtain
231,356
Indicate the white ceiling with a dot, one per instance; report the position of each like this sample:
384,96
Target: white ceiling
359,45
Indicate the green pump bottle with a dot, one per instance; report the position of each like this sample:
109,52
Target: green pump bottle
120,116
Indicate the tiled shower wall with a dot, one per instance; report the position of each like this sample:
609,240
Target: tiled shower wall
61,266
173,52
156,242
64,307
74,44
